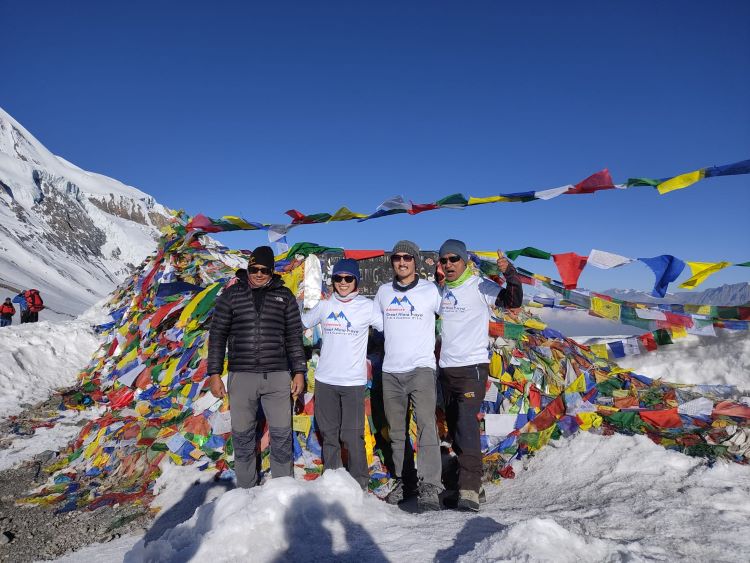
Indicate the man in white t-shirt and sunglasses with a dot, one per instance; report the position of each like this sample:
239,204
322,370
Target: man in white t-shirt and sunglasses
465,309
408,306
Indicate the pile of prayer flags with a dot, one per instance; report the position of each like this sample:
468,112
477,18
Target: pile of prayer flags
149,374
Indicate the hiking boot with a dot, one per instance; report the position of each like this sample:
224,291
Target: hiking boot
429,497
401,492
468,500
450,498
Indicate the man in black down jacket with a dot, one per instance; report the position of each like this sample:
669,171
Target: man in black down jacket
258,318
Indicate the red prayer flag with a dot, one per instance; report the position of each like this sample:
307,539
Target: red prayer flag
363,254
297,216
202,223
668,418
730,408
601,180
648,341
570,265
497,329
420,207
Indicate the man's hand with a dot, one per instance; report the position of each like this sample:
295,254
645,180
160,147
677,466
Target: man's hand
297,385
502,261
216,386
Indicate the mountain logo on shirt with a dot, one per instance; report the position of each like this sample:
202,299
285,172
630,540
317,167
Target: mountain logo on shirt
338,318
450,296
402,304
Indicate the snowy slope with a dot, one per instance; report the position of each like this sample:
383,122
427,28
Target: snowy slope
36,359
70,233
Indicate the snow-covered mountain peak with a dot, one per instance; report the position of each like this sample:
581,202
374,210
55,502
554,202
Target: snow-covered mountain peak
71,233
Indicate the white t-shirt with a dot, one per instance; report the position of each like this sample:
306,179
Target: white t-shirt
465,314
408,323
345,327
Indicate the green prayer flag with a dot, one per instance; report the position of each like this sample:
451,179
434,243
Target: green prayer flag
746,264
307,248
626,420
640,182
662,337
512,331
529,251
453,200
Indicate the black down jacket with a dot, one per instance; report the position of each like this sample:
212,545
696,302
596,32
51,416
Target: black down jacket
262,341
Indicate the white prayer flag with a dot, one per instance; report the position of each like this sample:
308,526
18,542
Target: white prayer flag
499,424
607,260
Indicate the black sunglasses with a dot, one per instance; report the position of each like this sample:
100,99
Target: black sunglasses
260,270
405,257
347,279
451,259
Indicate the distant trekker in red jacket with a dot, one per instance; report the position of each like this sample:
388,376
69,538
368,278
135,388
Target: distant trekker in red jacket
34,303
7,310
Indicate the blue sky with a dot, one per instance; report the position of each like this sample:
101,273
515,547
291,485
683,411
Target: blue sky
253,108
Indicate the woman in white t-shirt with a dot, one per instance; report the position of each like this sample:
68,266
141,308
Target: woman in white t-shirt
341,375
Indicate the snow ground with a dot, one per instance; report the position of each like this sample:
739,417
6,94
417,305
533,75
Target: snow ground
37,358
24,448
589,498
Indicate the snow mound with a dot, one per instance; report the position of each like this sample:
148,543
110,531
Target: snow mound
587,498
37,358
720,360
285,519
548,539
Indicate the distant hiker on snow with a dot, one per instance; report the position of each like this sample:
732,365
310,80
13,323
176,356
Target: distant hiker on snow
22,306
34,305
7,310
259,319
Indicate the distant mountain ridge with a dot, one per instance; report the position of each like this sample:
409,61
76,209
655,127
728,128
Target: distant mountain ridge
728,294
70,233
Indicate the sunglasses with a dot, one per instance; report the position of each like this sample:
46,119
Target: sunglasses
347,279
399,257
451,259
260,270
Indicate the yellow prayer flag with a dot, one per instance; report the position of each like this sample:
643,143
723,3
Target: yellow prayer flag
188,311
489,199
535,324
578,386
605,309
369,443
345,214
700,271
129,357
678,332
496,366
491,254
240,222
600,350
589,420
302,423
681,181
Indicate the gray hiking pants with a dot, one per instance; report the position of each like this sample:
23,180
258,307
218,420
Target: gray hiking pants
340,417
419,387
272,390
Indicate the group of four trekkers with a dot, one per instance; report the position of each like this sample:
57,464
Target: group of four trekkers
257,323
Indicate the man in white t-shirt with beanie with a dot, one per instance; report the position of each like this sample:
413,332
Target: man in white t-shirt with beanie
408,305
465,356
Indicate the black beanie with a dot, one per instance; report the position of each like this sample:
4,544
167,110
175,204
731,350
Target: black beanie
262,256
